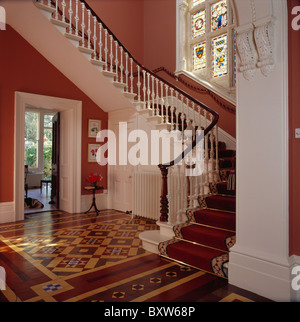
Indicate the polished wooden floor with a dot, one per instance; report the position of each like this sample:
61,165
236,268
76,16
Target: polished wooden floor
59,257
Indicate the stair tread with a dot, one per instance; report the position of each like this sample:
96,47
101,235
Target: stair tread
215,218
184,252
208,236
221,202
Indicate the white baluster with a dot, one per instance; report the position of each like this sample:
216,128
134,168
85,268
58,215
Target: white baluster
106,50
153,97
100,41
95,37
172,108
89,32
148,91
131,75
185,194
177,112
162,101
76,19
182,115
196,190
126,72
63,4
111,56
70,17
121,65
188,111
194,118
157,97
167,104
144,87
116,61
56,10
82,24
191,195
139,83
206,174
179,197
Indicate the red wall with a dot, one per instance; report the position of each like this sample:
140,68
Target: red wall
125,20
294,122
24,69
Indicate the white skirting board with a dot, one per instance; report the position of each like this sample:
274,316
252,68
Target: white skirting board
7,212
270,278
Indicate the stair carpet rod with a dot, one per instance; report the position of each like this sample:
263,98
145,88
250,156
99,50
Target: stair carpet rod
151,94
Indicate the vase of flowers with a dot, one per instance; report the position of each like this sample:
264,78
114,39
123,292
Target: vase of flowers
94,178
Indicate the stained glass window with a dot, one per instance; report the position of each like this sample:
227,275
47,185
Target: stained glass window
198,23
219,15
196,2
219,56
206,42
199,56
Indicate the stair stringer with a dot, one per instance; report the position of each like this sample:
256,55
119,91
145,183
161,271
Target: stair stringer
25,18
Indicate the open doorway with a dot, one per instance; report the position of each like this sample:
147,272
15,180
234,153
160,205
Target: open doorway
70,150
39,137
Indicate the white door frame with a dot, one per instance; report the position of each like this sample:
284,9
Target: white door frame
51,103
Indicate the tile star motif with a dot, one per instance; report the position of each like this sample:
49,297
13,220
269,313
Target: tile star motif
51,287
171,274
138,287
118,295
155,280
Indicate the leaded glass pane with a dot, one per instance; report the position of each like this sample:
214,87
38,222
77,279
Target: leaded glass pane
219,16
219,56
198,23
196,2
199,56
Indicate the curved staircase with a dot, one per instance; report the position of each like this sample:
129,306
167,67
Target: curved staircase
204,241
115,80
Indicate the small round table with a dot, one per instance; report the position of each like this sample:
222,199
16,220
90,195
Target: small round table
93,189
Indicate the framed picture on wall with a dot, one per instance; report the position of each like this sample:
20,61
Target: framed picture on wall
93,128
92,152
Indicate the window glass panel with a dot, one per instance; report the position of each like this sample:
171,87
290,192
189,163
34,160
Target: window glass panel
47,153
219,17
31,153
48,120
196,2
199,56
31,126
198,23
219,56
31,139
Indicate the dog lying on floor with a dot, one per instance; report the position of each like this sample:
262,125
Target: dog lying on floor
30,203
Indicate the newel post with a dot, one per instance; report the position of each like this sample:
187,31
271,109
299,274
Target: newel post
164,203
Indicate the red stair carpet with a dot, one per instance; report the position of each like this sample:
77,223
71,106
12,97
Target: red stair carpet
204,241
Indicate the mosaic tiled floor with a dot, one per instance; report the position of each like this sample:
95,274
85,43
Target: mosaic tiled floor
59,257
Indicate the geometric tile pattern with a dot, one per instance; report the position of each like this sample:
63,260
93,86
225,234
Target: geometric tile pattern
85,247
60,257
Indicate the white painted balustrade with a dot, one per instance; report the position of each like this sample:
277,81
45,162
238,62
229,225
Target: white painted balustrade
174,109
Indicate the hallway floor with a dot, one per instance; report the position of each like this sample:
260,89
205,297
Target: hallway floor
59,257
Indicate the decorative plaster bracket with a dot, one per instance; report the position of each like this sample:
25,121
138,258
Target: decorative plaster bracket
264,39
247,51
255,44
